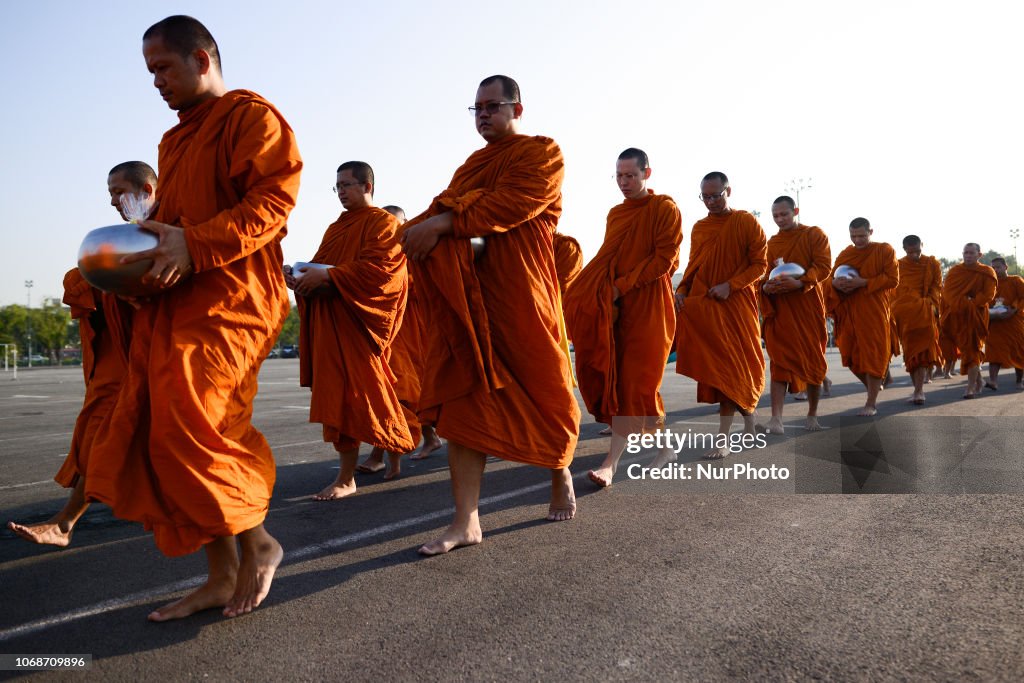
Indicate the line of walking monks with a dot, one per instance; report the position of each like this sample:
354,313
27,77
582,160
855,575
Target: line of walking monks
456,321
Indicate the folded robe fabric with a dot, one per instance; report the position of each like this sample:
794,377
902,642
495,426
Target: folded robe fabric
795,333
862,327
178,451
405,357
103,327
914,303
1005,342
496,374
568,260
622,346
345,333
718,343
966,296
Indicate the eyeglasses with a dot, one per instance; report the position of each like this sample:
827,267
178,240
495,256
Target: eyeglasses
711,197
342,187
489,107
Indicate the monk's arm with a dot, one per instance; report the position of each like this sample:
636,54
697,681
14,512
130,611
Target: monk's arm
264,171
668,238
757,258
889,278
525,189
988,291
379,262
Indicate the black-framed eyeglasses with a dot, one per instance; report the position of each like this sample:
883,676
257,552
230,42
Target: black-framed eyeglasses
489,107
711,197
341,187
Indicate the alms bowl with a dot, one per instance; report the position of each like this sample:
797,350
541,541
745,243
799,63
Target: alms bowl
99,259
793,270
845,273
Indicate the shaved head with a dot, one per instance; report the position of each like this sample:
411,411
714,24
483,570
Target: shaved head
137,173
509,87
361,171
717,175
184,35
785,199
858,223
637,155
911,241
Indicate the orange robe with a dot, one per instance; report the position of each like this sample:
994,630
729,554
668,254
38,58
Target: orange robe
966,296
496,373
718,343
622,346
346,332
406,360
568,261
795,333
1005,343
914,303
178,451
103,322
862,325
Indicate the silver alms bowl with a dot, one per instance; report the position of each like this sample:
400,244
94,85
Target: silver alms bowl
793,270
99,259
845,273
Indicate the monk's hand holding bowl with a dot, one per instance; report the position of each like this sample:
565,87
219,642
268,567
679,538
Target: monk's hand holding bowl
720,291
171,258
311,280
419,240
289,278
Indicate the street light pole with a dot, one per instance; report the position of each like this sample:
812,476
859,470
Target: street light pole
1014,234
795,185
28,318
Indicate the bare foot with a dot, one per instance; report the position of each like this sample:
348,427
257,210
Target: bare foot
374,462
717,453
429,446
452,538
802,396
867,411
607,431
1020,385
774,426
394,466
992,386
563,498
44,533
338,489
213,593
917,399
664,457
811,424
256,570
602,476
826,387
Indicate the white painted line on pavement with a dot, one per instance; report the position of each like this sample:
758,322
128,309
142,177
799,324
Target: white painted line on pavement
37,436
31,483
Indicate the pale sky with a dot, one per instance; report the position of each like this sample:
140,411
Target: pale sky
904,112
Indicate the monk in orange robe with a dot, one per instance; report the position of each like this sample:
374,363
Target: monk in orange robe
793,307
619,311
497,375
405,356
914,303
860,307
969,289
718,333
178,451
103,327
350,314
1005,343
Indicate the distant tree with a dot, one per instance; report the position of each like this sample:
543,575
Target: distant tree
290,331
50,327
13,327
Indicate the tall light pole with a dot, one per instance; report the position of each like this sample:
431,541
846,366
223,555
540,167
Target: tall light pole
28,319
795,185
1014,234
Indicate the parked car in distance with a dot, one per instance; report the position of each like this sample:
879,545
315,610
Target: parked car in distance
290,351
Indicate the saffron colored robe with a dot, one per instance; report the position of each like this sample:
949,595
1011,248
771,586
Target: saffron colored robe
795,333
1005,343
347,330
406,359
568,260
862,317
622,345
103,327
914,303
718,343
966,296
178,452
496,374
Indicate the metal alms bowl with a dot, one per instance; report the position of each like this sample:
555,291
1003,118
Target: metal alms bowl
99,259
793,270
308,266
479,244
846,273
